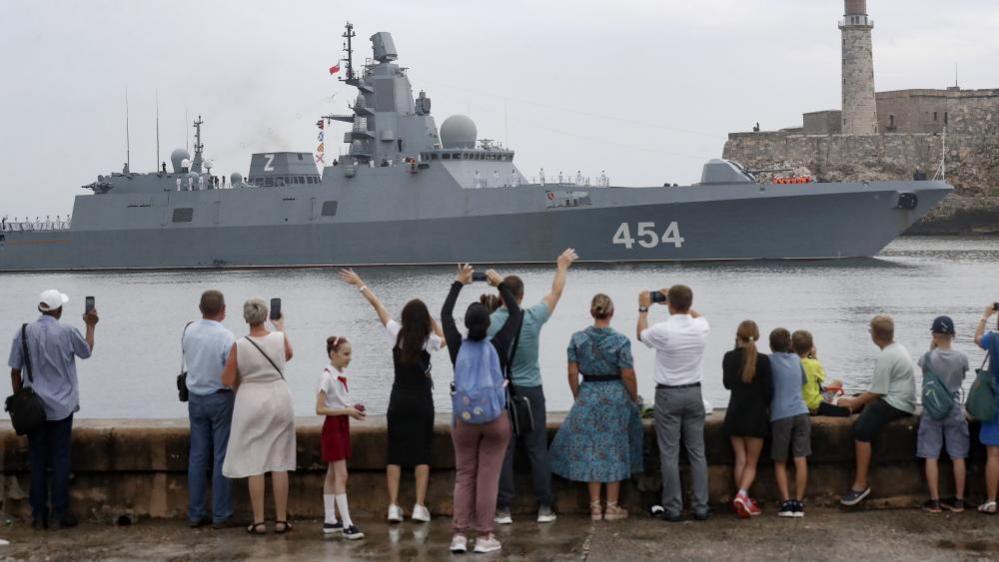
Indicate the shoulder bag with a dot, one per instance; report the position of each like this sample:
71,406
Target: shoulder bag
267,357
27,413
182,393
981,402
521,413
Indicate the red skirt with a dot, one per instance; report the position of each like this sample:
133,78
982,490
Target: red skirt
335,441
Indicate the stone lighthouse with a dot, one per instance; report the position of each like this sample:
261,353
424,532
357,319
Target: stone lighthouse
859,112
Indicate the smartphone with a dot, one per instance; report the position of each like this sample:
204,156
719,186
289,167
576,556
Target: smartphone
658,296
478,276
995,306
88,305
275,308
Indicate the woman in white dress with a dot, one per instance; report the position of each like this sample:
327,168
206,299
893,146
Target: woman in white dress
262,438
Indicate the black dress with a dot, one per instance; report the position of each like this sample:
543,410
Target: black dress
410,412
748,413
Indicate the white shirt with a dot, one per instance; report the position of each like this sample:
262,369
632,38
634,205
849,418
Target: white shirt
334,384
393,328
679,343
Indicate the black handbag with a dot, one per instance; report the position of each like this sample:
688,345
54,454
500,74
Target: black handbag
27,413
519,406
182,393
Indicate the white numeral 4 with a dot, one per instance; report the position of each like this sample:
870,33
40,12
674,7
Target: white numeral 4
647,235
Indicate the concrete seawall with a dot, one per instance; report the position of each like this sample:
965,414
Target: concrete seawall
140,467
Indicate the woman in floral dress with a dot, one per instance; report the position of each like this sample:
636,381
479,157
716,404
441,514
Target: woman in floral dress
600,441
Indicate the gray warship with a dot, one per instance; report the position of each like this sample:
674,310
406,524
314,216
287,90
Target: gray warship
406,193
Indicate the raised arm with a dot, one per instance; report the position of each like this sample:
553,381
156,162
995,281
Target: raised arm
451,334
90,319
229,373
351,278
558,285
508,333
279,326
980,330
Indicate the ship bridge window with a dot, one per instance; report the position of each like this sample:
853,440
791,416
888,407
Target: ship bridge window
445,156
183,214
301,179
329,208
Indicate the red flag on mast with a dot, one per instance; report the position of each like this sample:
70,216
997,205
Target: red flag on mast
335,68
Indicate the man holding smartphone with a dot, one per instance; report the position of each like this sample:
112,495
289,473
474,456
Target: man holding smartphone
206,344
679,342
52,351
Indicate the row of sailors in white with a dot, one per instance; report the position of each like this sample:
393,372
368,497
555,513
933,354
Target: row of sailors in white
212,183
28,225
602,180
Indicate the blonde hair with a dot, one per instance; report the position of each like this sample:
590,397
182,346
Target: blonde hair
601,307
255,312
746,337
883,327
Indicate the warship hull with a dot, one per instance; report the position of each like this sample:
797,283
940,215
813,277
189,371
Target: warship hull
402,225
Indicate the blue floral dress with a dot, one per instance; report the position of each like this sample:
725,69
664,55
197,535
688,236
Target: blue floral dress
601,439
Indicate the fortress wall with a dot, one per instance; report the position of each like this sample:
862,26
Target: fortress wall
140,467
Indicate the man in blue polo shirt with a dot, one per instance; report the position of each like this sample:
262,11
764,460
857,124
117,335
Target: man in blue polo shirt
52,350
206,344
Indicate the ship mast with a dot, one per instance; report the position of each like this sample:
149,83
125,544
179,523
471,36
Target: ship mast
348,47
198,147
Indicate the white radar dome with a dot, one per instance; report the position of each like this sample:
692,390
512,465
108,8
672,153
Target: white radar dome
458,131
177,158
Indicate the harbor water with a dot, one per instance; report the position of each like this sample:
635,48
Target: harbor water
132,373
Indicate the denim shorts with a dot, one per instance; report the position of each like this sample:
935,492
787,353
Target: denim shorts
951,431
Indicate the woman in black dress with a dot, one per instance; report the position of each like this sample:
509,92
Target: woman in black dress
746,374
410,413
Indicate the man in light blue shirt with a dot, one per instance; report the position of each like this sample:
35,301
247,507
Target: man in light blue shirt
525,378
50,370
206,345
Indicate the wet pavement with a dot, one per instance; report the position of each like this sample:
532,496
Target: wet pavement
823,535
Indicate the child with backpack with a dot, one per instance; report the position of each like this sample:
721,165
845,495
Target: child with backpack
816,395
333,401
791,428
943,421
481,427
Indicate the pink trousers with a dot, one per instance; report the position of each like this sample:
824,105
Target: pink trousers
479,451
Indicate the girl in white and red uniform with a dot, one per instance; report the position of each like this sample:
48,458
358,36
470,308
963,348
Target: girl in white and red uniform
333,401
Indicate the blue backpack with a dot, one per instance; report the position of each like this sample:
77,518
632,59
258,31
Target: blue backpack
938,400
479,395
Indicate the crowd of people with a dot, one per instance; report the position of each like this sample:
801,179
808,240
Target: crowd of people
242,416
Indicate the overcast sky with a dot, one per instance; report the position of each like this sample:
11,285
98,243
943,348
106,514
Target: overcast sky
646,90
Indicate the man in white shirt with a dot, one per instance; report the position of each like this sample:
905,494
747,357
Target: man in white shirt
679,409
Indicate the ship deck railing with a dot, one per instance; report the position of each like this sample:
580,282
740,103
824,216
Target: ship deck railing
35,226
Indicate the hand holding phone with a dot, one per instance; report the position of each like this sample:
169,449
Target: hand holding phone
89,304
479,276
658,297
275,309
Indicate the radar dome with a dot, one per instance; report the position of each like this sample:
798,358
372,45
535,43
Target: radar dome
458,131
236,179
177,158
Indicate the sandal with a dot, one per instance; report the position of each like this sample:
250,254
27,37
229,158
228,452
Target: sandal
253,529
596,513
988,508
285,527
615,512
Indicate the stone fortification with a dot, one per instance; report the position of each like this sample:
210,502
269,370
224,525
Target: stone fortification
972,164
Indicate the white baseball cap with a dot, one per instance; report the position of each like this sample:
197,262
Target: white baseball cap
51,300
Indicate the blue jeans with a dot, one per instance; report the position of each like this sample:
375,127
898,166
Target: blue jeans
211,417
49,447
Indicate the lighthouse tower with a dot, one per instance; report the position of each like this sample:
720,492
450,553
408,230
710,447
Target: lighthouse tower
859,111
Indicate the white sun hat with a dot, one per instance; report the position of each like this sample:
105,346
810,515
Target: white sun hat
51,300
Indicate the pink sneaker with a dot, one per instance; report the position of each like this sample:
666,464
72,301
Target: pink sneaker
741,505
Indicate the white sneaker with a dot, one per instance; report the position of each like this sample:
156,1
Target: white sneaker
546,514
487,544
421,514
503,517
459,544
395,514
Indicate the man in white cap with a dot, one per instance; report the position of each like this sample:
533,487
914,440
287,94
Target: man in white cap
52,350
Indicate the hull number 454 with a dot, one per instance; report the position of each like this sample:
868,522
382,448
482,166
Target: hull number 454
647,236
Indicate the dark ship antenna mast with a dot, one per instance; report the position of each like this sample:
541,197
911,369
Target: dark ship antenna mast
349,49
198,147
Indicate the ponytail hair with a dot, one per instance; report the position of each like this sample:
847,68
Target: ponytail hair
334,343
746,337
